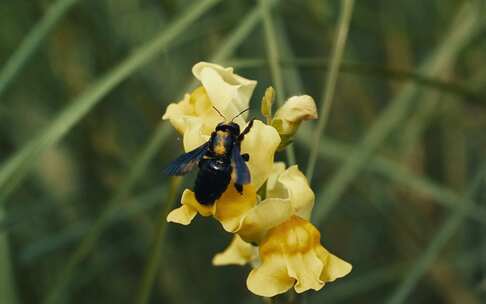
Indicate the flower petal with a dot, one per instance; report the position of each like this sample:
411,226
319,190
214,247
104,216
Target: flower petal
194,117
278,168
270,278
194,136
266,215
288,118
261,144
203,108
238,252
305,269
229,92
288,194
232,206
303,262
334,267
292,184
189,199
182,215
295,110
178,113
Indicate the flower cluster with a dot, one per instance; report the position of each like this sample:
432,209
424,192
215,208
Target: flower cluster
270,219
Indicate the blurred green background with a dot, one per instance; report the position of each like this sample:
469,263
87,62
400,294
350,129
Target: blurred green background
398,180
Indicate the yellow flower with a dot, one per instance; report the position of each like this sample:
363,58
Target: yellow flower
292,256
274,234
195,118
287,194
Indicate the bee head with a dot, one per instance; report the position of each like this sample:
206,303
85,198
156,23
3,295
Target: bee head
230,127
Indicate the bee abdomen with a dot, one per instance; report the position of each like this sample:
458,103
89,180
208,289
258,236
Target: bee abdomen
212,180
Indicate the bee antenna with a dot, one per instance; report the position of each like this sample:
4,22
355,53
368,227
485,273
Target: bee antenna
240,113
219,113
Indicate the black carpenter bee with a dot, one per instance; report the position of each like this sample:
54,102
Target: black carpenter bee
219,161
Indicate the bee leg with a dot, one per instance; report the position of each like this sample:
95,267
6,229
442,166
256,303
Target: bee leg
239,188
246,156
246,130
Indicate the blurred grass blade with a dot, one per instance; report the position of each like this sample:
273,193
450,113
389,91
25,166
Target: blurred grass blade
32,41
273,56
338,151
292,79
153,262
15,169
331,80
140,165
235,38
446,231
461,32
7,279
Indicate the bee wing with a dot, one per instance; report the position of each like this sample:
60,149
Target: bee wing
187,161
242,173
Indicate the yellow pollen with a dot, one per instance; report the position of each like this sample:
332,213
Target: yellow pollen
219,148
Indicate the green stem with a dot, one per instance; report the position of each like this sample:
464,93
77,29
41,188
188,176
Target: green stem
153,262
330,86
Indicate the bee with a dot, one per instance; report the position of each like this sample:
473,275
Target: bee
219,160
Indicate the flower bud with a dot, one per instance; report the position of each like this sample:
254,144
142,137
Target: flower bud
291,114
267,102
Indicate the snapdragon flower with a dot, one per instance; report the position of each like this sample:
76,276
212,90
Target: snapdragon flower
270,219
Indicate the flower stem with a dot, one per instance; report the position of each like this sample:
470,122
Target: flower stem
328,94
153,262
